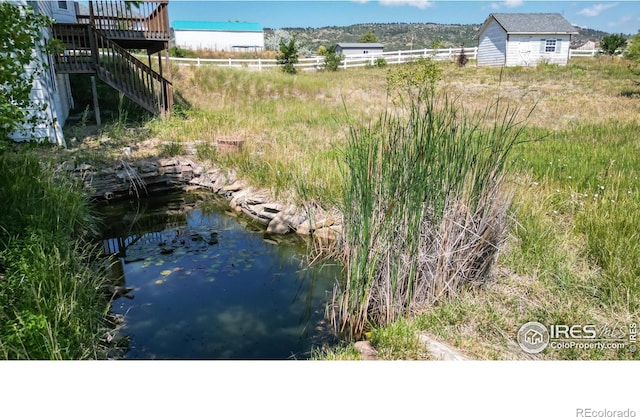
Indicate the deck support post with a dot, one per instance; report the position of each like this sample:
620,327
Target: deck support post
96,105
166,94
163,87
168,77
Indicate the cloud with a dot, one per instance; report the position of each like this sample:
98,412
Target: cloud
513,3
420,4
596,9
509,4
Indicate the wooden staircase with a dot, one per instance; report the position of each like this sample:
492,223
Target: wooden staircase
98,45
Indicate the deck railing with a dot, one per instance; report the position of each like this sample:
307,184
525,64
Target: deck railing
123,20
116,66
89,50
77,57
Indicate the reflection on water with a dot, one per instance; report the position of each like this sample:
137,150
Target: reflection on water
207,286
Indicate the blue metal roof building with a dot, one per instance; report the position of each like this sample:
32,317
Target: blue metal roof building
219,36
217,26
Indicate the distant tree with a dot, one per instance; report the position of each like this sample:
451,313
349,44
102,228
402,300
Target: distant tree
633,50
322,50
611,43
273,41
332,59
20,37
368,37
633,53
288,56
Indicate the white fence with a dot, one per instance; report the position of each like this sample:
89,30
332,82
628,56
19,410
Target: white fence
352,61
577,53
348,61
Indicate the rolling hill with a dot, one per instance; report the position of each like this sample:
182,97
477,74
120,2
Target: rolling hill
397,36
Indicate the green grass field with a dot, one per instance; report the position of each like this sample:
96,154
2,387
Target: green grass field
572,247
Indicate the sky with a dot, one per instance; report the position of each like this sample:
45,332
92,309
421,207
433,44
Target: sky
620,16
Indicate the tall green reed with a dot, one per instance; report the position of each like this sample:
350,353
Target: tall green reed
425,206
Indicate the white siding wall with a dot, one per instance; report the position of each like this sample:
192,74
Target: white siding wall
217,40
529,50
359,51
66,99
492,45
62,15
44,91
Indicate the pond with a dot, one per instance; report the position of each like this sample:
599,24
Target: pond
197,282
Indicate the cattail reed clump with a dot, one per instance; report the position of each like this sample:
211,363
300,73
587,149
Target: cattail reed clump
425,207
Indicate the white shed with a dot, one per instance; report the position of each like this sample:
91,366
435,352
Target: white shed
219,36
524,39
349,49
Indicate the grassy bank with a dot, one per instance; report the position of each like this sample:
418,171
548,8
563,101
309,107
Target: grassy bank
50,303
570,254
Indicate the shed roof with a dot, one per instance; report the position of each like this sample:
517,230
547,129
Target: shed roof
217,26
516,23
344,45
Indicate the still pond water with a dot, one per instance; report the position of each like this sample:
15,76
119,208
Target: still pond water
207,285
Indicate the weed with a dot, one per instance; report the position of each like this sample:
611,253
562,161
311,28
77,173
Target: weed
172,148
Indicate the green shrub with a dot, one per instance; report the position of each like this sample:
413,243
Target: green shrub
288,56
178,52
380,62
332,59
420,75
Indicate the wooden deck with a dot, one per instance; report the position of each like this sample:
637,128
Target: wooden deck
99,42
145,26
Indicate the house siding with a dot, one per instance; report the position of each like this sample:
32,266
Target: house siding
492,45
61,15
45,90
358,51
219,40
528,50
518,39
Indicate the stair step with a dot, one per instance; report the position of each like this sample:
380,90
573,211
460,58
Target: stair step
117,68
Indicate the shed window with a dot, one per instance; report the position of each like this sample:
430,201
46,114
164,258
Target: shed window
550,45
62,5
